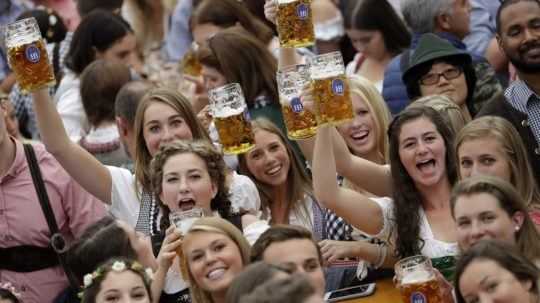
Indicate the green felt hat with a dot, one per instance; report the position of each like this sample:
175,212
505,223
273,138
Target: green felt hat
430,48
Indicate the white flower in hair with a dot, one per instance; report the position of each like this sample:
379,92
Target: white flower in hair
88,278
149,273
118,266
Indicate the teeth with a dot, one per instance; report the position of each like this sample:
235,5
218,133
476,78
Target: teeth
273,170
216,274
359,135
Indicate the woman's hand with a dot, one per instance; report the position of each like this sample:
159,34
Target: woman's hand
205,117
307,98
167,253
270,10
334,250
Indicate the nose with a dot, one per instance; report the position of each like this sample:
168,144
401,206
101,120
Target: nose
183,185
477,231
421,148
167,135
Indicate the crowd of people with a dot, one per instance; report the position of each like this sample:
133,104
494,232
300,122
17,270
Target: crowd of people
441,157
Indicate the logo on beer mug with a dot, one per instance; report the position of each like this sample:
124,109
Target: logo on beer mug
302,11
338,87
418,297
296,105
32,53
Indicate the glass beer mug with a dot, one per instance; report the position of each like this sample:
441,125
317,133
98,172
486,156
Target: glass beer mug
190,64
295,23
27,55
417,280
330,89
300,122
183,220
231,116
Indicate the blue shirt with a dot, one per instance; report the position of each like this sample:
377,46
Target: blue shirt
178,39
483,26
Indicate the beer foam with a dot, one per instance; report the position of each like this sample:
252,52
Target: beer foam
325,74
226,112
286,1
417,277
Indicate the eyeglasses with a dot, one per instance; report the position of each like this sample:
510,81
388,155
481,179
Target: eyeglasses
449,74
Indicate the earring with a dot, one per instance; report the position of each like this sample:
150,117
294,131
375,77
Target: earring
517,228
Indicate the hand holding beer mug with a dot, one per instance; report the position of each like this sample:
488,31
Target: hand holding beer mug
300,122
330,89
183,220
295,23
27,55
417,280
232,119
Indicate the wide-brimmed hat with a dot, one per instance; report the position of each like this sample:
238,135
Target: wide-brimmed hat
430,48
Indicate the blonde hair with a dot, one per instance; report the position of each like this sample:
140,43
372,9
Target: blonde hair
298,182
365,89
143,157
506,135
221,226
450,111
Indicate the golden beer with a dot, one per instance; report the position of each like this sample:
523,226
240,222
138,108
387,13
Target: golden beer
295,23
421,292
300,123
190,64
332,100
417,280
235,132
31,66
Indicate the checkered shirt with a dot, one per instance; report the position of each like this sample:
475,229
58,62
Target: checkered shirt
522,98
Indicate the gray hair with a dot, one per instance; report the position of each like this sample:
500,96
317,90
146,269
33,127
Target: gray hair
420,15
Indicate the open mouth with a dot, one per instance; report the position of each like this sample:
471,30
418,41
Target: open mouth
274,170
216,273
360,136
186,204
426,166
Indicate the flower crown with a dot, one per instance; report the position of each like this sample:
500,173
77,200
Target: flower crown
7,286
117,266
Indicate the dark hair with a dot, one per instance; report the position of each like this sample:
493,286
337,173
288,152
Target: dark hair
100,82
85,7
407,198
252,276
295,288
98,31
239,57
8,295
128,98
101,241
91,292
379,15
505,4
281,233
256,7
50,24
505,255
412,83
229,13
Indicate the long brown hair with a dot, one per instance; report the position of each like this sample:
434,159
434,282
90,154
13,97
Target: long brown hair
242,59
298,182
181,104
527,238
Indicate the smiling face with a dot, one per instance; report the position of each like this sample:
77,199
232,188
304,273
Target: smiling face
480,216
125,286
163,124
519,35
456,89
268,161
483,156
186,183
360,134
422,152
214,260
485,281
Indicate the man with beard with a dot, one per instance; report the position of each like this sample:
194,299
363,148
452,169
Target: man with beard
518,35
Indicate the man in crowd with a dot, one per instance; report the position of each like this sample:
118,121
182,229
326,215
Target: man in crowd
518,35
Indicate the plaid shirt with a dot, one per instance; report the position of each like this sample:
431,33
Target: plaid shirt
23,102
522,98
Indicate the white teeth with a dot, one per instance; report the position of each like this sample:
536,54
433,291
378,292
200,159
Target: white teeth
273,170
359,135
215,274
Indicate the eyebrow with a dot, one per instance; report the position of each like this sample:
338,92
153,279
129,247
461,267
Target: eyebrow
169,118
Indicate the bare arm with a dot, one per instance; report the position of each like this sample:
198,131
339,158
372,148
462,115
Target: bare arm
360,211
370,176
93,176
335,250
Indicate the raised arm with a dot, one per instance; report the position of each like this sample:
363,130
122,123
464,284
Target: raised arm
370,176
360,211
93,176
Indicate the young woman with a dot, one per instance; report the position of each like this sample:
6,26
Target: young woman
100,82
101,35
437,67
491,146
120,280
496,272
378,34
487,207
285,189
215,253
418,219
